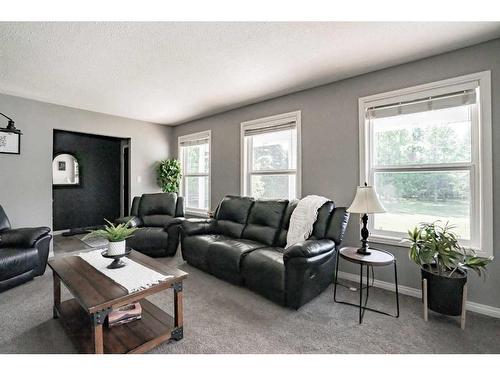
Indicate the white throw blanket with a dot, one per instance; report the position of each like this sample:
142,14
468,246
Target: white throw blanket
133,276
303,218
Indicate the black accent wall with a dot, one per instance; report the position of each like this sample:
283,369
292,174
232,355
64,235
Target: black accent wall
98,195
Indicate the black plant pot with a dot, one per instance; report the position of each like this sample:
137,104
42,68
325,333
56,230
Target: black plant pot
444,294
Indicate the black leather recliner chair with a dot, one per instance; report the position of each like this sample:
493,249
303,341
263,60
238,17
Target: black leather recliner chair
23,253
158,217
244,244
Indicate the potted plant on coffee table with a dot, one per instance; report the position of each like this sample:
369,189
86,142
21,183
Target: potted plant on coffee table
115,234
444,264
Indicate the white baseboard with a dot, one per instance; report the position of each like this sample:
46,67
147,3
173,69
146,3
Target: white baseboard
471,306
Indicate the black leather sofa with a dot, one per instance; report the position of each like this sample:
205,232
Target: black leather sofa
244,244
158,217
23,253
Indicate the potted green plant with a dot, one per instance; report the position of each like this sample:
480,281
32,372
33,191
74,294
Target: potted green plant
168,175
115,234
444,264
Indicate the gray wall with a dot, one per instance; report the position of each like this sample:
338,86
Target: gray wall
330,142
26,179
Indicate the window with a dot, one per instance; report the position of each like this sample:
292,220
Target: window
270,157
194,154
427,151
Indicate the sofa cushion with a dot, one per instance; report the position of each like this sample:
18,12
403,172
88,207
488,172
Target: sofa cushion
224,257
263,271
232,215
157,204
195,248
264,221
15,261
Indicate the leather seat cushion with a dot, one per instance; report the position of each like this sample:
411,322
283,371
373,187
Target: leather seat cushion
263,272
224,257
195,248
157,204
264,221
232,215
15,261
150,240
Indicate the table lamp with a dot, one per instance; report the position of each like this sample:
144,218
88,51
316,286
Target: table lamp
365,202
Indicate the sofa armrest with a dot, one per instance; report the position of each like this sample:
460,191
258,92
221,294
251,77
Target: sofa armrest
174,221
192,227
309,248
22,237
134,221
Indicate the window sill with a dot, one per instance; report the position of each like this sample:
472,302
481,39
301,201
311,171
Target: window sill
203,214
395,241
386,240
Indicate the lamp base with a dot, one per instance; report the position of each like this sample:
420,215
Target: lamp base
363,251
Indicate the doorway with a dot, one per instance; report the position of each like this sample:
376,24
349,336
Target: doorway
103,189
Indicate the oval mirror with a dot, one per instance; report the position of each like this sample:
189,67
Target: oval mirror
65,170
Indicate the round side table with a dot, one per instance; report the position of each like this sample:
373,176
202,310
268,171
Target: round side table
376,258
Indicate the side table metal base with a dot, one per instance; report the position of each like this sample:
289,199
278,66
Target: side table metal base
363,306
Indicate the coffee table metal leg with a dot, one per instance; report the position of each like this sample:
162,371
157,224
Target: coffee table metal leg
57,296
178,333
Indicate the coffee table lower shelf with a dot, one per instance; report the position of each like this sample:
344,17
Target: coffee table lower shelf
155,327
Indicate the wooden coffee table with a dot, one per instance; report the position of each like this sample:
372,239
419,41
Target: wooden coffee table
95,295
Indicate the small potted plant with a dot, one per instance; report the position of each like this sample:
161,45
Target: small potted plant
115,234
444,264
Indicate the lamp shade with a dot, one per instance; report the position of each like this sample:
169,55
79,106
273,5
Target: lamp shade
366,201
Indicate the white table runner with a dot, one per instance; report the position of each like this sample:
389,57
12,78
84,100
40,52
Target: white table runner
133,276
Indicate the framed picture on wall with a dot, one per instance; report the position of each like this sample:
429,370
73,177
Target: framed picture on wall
10,143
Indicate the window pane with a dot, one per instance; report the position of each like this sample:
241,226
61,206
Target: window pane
414,197
431,137
274,151
273,186
196,192
196,158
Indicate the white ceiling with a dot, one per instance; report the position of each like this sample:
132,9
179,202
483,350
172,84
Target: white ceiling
171,72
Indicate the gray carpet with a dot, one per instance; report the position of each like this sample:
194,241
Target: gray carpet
222,318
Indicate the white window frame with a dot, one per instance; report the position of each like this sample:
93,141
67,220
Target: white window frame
482,167
245,154
207,134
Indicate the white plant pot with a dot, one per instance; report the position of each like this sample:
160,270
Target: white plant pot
116,248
